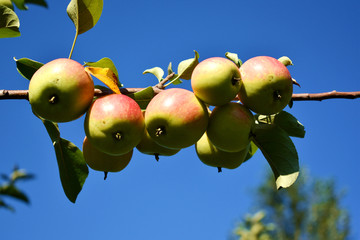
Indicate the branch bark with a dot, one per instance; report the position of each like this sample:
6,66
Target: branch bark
23,94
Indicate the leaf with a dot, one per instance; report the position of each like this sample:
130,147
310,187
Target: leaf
106,63
20,4
72,166
9,23
233,57
20,174
252,150
143,97
156,71
105,75
14,192
279,151
186,67
5,205
169,69
285,60
84,13
290,124
27,67
286,121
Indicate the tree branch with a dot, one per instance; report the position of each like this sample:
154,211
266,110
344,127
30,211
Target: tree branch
23,94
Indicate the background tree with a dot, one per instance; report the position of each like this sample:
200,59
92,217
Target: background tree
310,209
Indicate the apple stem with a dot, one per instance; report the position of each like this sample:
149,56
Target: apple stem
156,156
160,131
105,175
219,169
53,99
277,95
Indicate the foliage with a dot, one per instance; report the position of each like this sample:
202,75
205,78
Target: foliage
309,209
9,189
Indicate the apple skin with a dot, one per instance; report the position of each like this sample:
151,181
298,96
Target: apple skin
103,162
150,147
61,90
216,81
114,124
230,127
175,118
266,85
212,156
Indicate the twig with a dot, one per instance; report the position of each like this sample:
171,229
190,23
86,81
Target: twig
23,94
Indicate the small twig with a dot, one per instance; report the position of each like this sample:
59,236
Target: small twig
325,95
161,85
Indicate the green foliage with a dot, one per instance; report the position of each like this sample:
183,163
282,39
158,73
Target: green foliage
106,63
233,57
9,189
143,97
310,209
27,67
72,166
20,4
9,23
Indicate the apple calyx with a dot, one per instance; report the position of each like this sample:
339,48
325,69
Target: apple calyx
117,136
160,131
235,81
277,95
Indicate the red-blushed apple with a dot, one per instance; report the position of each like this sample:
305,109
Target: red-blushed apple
212,156
175,118
230,127
114,124
150,147
216,80
61,90
266,86
100,161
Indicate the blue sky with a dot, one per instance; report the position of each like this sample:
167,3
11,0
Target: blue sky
179,197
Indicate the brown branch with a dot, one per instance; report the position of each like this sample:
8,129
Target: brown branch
23,94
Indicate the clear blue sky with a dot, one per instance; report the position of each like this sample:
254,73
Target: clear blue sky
178,197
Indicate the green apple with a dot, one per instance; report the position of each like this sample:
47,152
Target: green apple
212,156
175,118
114,124
61,90
216,81
230,127
150,147
103,162
266,85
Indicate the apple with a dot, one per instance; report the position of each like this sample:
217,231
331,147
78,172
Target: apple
7,3
216,81
103,162
175,118
212,156
114,124
150,147
230,127
266,85
61,90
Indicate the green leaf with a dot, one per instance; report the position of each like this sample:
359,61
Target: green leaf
9,23
143,97
186,67
169,69
279,151
20,174
290,124
20,4
285,60
252,150
27,67
72,166
14,192
233,57
5,205
105,63
156,71
286,121
84,13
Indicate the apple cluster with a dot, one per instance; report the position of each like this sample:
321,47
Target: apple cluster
208,117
